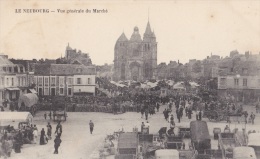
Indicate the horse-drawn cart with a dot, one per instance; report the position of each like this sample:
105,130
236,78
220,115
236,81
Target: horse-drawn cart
59,107
225,115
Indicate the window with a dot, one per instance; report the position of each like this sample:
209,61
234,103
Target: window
53,81
89,80
61,81
21,69
7,81
4,68
236,81
35,80
244,82
78,80
24,81
15,69
3,81
46,91
12,81
69,92
40,81
222,81
61,91
46,81
70,81
19,81
10,69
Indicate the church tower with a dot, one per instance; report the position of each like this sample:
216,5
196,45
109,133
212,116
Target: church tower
120,57
149,53
136,58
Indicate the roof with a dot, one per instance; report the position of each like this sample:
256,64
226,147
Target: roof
199,130
5,61
15,116
28,99
63,69
167,153
136,36
122,37
254,139
127,140
244,153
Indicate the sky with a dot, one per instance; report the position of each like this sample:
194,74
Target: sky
184,30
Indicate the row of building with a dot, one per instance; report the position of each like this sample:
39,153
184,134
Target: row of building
72,75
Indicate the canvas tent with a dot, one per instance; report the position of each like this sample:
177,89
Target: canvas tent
179,85
14,118
194,84
29,100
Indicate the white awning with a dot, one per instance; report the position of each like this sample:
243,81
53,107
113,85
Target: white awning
13,89
33,91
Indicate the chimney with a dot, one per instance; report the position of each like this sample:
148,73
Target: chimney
247,54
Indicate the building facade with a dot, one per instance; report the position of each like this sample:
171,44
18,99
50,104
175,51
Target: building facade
240,77
136,59
64,79
13,79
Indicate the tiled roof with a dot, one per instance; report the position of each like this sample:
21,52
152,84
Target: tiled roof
63,69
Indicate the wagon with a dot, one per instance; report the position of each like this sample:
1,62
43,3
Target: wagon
59,107
200,137
224,115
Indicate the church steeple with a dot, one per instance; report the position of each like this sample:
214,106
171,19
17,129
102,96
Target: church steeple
148,29
149,34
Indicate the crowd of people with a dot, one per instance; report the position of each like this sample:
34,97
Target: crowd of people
11,138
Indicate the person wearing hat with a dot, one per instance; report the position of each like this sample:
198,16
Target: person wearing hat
172,124
57,143
49,128
59,129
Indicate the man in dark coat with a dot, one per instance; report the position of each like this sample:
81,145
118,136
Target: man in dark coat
57,143
59,129
200,114
91,126
49,129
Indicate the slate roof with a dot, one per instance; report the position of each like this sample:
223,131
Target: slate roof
63,69
122,37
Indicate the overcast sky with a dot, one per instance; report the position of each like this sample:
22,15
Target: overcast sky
184,29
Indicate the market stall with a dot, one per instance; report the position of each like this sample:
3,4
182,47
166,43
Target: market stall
15,118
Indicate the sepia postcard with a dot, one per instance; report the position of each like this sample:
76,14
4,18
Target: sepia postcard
133,79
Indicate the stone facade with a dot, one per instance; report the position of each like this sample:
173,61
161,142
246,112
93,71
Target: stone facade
136,59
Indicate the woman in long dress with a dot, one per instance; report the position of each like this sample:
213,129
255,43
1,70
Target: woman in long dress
42,138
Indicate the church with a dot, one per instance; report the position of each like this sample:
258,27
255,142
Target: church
136,58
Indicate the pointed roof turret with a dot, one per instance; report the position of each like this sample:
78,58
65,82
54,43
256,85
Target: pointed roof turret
148,29
122,37
68,47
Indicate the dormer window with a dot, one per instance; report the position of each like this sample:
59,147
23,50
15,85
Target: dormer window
21,69
79,70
